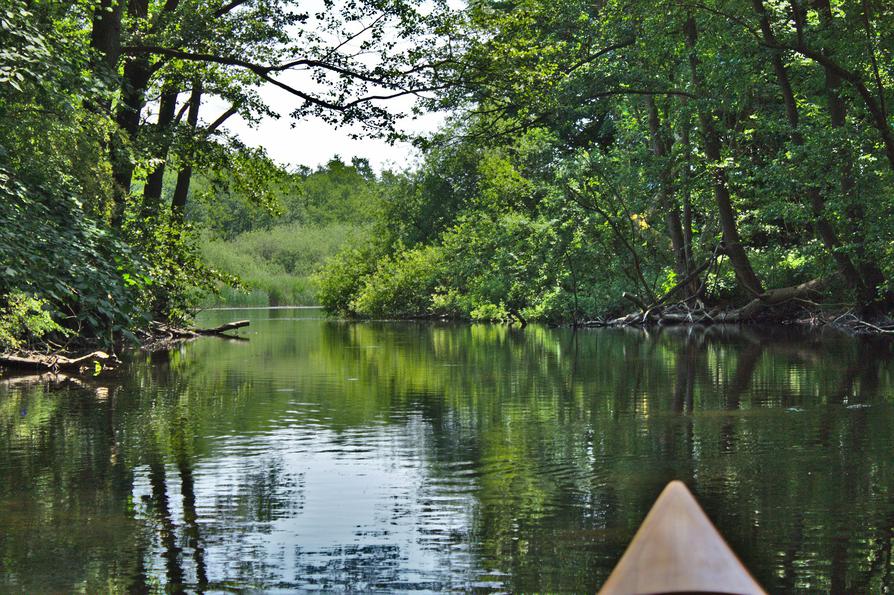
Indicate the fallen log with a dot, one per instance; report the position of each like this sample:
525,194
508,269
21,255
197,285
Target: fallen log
50,362
669,318
170,333
164,336
773,297
219,330
176,332
627,320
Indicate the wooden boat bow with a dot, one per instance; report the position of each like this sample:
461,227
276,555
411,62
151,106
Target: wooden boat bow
677,549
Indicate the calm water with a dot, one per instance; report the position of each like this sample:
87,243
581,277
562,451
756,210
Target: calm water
324,455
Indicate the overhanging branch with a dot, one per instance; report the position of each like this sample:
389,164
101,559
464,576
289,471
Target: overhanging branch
264,72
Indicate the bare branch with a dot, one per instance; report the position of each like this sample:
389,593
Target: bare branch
351,38
228,7
211,128
596,55
263,71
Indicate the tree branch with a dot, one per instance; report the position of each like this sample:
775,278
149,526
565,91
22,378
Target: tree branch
228,7
263,71
220,120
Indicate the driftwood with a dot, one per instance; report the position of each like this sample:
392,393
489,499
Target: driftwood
684,312
175,332
780,305
219,330
770,298
851,323
164,336
51,362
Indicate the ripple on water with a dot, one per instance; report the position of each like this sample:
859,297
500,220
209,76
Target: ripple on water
385,457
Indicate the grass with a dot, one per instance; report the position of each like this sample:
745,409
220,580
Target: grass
277,264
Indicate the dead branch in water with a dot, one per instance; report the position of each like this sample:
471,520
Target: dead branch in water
53,362
164,336
219,330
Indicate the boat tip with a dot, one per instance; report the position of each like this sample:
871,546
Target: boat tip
678,549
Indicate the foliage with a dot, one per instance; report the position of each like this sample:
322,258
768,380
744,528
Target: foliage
104,121
400,286
277,251
334,193
615,147
24,319
343,276
51,250
277,265
178,277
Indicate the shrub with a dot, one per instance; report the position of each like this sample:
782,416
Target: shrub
278,266
51,248
342,278
24,320
401,286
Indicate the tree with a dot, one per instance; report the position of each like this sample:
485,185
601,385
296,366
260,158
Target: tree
706,140
346,61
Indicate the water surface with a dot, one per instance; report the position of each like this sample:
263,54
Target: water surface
324,455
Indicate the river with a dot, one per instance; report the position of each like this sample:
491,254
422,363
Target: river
397,456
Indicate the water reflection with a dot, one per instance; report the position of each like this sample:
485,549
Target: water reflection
325,455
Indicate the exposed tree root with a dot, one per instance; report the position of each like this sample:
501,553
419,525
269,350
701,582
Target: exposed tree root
797,304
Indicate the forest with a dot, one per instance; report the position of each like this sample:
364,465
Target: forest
642,161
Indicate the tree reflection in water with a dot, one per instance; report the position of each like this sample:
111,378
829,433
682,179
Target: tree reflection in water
402,456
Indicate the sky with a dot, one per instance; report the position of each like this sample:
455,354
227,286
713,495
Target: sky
312,142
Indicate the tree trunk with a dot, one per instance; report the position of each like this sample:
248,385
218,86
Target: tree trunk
154,181
105,35
687,194
666,198
872,276
824,228
184,176
133,97
745,275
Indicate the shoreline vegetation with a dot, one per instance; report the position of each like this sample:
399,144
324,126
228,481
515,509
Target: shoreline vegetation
634,162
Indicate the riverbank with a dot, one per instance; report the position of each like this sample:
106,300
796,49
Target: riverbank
846,321
158,336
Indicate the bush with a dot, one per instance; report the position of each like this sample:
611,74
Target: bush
496,265
342,277
401,286
277,266
51,249
485,268
24,320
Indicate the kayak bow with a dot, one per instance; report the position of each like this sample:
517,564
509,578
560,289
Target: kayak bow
677,549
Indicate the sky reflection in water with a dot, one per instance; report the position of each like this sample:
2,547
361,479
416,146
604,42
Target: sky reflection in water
403,456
